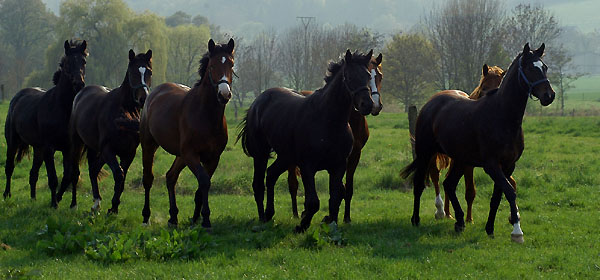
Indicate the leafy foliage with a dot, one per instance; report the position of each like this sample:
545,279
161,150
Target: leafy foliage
325,234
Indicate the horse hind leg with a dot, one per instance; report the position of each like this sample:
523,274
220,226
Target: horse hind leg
149,148
311,202
348,189
172,176
258,185
51,172
38,158
95,164
470,192
434,175
454,174
293,188
273,173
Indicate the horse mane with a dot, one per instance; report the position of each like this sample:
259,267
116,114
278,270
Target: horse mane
511,69
74,45
204,61
334,67
492,70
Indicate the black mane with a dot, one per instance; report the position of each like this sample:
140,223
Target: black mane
74,45
219,48
334,67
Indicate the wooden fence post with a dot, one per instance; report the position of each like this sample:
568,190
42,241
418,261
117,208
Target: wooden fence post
412,124
2,92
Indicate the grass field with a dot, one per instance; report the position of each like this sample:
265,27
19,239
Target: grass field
558,178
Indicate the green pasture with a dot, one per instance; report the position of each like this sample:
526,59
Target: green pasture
558,180
583,97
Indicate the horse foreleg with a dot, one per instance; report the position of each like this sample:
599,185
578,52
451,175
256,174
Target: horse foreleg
293,188
9,167
311,201
273,173
502,183
336,192
353,160
456,171
95,164
470,192
67,178
434,174
38,158
201,198
172,176
51,172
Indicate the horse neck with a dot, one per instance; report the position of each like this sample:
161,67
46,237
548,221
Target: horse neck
64,92
333,100
125,94
513,96
205,97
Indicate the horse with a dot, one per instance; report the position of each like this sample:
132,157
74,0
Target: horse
493,127
106,124
309,132
490,80
360,133
190,124
40,119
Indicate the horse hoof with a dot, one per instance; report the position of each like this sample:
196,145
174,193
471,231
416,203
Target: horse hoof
440,215
172,225
491,236
327,220
347,220
459,228
73,206
299,229
208,230
146,224
414,221
518,238
6,195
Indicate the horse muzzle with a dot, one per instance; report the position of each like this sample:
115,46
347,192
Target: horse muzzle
224,92
377,106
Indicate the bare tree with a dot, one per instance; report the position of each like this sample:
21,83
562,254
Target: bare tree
464,33
563,74
529,23
291,54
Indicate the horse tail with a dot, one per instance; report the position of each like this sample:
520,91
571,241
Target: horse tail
442,161
409,169
243,134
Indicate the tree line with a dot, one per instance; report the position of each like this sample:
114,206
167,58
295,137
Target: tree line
444,51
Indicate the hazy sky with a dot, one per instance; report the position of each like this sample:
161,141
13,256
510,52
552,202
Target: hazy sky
386,16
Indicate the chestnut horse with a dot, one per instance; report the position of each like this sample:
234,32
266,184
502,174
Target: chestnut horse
490,80
107,124
492,126
190,124
360,132
40,119
309,132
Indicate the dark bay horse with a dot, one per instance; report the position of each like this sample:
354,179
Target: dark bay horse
106,124
492,126
309,132
360,133
190,124
490,80
40,119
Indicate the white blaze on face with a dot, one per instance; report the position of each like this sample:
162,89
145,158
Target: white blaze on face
224,88
539,65
142,72
223,59
375,97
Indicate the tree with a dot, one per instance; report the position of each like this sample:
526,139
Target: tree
200,20
410,63
562,75
187,44
25,31
178,18
464,33
529,24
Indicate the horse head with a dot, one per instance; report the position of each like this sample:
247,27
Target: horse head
532,73
375,84
220,68
491,77
139,71
356,78
73,63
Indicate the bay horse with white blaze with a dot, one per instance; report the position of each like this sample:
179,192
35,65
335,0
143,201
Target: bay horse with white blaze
190,124
493,127
106,124
309,132
491,77
40,119
360,133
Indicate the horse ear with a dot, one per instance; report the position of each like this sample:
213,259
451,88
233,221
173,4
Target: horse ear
540,51
526,49
149,55
131,55
67,46
230,46
485,69
348,57
379,59
370,54
83,46
211,46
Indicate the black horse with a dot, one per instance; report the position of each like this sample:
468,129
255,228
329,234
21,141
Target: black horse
309,132
40,119
492,126
107,125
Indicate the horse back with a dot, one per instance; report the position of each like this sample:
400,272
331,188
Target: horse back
22,120
88,107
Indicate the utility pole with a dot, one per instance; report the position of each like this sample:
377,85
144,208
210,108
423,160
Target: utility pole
306,22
